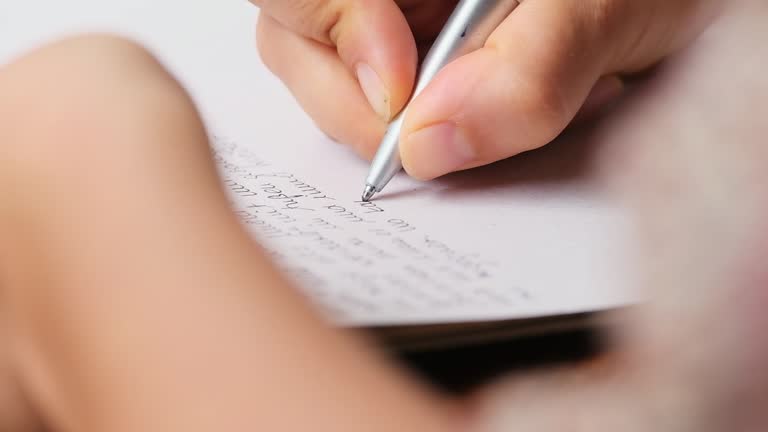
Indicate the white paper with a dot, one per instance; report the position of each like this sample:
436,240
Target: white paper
528,237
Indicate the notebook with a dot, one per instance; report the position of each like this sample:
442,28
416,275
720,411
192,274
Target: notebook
528,245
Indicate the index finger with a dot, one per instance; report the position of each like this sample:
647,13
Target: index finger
372,37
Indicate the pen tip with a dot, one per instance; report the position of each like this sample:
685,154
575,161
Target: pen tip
369,192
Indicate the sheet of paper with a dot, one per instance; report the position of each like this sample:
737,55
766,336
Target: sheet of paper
528,237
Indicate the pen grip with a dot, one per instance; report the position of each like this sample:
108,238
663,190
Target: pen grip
468,28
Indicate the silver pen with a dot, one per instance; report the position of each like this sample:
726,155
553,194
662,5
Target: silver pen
466,30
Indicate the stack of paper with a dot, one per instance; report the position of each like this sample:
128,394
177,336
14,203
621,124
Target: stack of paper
526,245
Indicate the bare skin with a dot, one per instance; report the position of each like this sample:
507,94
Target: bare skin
120,312
549,59
182,323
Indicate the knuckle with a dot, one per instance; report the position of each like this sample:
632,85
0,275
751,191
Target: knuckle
607,21
545,110
325,24
626,30
604,14
318,20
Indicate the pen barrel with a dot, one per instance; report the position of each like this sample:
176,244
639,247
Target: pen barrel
467,30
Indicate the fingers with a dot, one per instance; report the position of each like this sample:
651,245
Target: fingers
533,76
516,94
372,38
321,84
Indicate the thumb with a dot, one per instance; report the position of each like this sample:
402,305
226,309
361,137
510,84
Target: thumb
533,75
372,38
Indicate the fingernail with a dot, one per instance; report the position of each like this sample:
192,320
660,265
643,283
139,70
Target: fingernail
374,90
436,150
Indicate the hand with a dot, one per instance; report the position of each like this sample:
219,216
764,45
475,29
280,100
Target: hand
352,63
77,353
